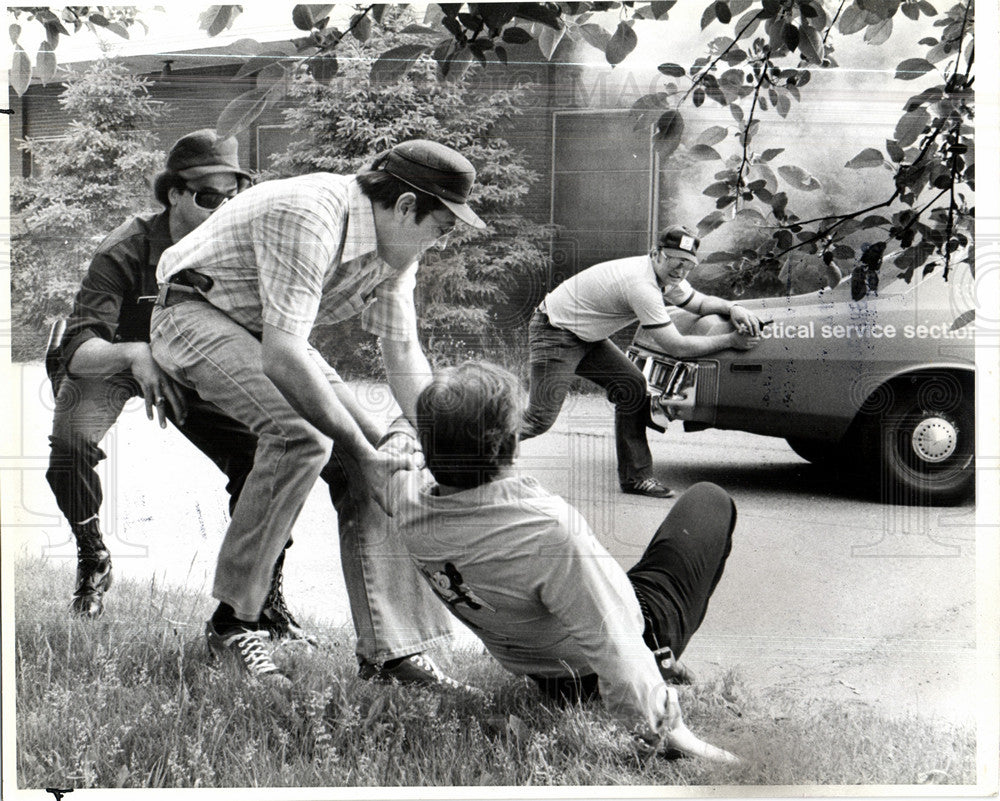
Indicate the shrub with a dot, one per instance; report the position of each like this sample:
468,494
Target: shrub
83,184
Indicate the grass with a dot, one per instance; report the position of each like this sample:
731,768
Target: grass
131,700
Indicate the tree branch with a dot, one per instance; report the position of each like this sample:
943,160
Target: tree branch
746,130
708,68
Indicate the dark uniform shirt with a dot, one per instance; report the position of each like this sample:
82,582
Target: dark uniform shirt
116,297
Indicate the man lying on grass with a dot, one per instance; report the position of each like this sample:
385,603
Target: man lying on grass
522,569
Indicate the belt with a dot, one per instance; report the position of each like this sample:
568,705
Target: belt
172,294
182,287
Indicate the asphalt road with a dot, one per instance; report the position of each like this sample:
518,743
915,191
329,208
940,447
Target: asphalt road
826,595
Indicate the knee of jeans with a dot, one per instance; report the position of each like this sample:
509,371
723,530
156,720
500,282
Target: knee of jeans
537,421
628,393
706,495
77,450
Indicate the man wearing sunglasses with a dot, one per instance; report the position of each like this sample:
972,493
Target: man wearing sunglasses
103,358
569,335
238,300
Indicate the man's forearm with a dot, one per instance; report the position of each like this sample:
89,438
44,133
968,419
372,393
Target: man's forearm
300,380
97,357
710,304
408,372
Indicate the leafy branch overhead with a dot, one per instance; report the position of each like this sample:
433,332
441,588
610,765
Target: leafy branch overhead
760,64
116,19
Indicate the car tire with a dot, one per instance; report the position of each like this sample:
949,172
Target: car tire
923,443
817,452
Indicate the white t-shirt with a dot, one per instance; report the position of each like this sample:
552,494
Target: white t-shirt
522,569
605,298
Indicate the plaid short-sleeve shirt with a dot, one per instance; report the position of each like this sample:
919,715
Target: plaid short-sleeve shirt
295,253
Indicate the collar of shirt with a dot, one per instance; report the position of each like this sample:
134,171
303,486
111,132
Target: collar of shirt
159,237
360,240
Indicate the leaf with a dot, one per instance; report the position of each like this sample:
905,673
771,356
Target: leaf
669,129
215,19
722,12
258,63
783,106
869,157
852,20
718,189
548,41
241,112
737,112
119,29
704,153
964,319
894,150
20,71
501,53
879,33
100,20
538,12
361,27
911,125
45,63
595,36
393,64
798,178
770,153
709,223
660,8
414,28
673,70
515,35
15,31
912,68
713,135
324,67
708,16
698,97
911,10
811,45
751,215
791,37
622,43
302,18
928,8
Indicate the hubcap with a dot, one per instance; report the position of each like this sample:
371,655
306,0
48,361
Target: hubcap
934,439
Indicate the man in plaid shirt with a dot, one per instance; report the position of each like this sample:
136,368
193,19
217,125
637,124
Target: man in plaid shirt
238,300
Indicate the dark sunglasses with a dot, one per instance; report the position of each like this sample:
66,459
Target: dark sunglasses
210,199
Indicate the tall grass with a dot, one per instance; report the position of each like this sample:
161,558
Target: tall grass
131,700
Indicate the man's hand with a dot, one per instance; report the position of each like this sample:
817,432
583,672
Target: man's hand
158,389
677,736
378,468
740,341
745,322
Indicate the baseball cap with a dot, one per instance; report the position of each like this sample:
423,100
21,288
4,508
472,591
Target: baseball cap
435,169
679,241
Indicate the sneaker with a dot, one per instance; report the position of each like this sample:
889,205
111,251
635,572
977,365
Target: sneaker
649,487
276,619
413,669
247,647
93,579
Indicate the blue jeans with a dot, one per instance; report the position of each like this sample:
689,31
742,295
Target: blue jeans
556,356
394,612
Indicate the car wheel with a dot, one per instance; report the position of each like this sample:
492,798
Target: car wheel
818,452
926,441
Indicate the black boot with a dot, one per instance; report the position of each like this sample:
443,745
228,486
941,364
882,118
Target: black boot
276,618
93,570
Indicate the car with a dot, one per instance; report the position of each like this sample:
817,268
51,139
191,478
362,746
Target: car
882,388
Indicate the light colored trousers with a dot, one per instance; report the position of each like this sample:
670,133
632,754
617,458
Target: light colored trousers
394,612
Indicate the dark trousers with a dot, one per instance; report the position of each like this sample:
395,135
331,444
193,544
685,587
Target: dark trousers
85,410
674,578
556,356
